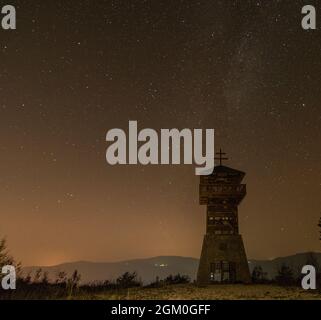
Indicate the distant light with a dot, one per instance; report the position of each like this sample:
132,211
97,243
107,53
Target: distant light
162,265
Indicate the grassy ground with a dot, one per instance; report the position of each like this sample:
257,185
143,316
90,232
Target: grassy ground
218,292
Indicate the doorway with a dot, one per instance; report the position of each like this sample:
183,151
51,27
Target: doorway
223,272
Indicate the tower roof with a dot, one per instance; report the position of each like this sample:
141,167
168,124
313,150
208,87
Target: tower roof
223,170
228,170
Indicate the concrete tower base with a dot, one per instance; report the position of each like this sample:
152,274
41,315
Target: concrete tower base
223,260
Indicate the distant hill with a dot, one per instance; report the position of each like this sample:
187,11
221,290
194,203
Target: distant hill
149,269
295,262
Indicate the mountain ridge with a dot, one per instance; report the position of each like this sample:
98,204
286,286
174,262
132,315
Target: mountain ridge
161,266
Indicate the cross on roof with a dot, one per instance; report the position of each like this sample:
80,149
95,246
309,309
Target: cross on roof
221,156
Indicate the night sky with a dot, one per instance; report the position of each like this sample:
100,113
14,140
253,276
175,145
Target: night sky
75,69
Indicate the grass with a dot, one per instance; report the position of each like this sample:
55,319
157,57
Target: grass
214,292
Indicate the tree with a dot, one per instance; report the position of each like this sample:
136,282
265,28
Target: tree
73,282
37,275
45,279
5,258
177,279
285,276
312,260
258,275
127,280
61,277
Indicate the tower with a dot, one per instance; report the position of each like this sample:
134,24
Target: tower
223,258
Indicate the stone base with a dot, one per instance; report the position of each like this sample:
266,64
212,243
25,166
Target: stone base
219,248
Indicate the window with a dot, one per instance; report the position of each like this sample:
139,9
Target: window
225,266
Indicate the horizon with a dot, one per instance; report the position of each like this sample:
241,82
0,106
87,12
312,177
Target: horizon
162,256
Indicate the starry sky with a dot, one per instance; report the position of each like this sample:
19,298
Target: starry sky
75,69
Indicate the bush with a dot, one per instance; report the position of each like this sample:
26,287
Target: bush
127,280
285,276
176,279
258,275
